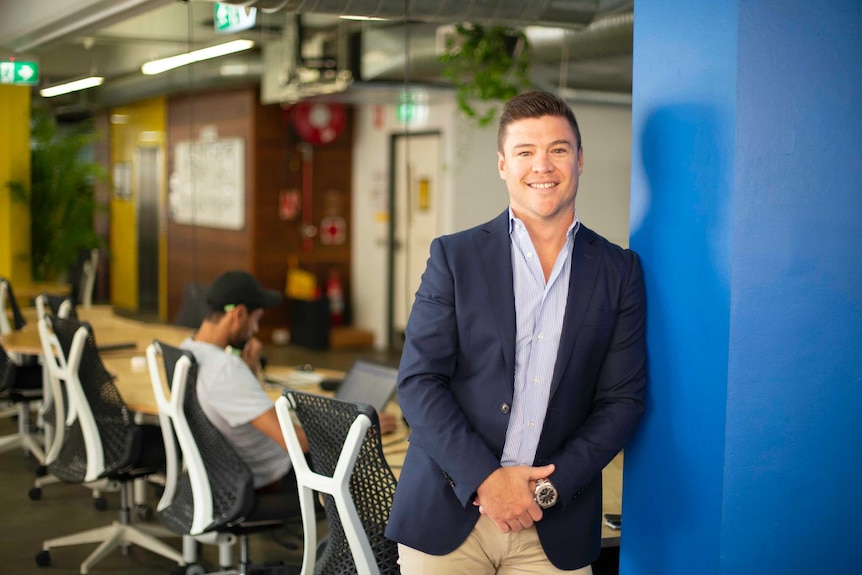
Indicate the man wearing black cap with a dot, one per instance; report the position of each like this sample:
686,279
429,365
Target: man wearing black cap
228,389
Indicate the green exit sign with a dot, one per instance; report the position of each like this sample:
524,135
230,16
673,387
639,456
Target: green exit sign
230,18
19,73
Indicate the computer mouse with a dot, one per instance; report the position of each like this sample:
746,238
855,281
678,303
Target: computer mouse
330,384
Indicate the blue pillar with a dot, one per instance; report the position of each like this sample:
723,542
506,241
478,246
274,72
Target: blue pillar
747,212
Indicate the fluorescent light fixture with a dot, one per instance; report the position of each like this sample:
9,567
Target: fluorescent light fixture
82,84
363,18
165,64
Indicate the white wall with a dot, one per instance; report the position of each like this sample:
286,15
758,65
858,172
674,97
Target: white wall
471,189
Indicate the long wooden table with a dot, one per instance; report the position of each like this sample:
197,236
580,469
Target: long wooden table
133,383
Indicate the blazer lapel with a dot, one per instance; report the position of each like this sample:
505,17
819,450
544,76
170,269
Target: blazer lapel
495,251
585,269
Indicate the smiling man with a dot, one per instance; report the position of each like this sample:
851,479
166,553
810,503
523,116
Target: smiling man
523,371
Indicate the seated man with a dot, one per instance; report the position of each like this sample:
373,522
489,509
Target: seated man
228,388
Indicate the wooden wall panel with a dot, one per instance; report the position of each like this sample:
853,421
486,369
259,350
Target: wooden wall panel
274,164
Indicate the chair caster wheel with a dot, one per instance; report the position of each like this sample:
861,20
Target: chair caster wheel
100,503
41,471
193,569
144,512
43,558
35,493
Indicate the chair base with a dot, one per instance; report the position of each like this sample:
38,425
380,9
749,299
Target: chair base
116,535
26,442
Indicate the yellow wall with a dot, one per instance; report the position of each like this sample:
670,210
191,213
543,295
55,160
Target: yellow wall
143,124
14,166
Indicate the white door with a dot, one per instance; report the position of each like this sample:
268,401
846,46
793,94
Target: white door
417,202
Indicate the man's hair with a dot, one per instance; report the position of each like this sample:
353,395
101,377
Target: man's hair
535,104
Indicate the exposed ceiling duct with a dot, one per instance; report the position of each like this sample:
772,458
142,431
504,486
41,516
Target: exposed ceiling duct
556,13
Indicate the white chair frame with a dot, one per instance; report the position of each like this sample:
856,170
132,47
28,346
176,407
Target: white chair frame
171,409
120,533
338,486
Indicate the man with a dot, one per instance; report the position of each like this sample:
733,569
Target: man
523,371
228,388
229,391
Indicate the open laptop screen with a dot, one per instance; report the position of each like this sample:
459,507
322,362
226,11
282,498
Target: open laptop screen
369,382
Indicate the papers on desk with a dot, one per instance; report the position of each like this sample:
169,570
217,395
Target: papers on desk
295,380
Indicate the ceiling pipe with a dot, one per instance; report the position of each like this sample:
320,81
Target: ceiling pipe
555,13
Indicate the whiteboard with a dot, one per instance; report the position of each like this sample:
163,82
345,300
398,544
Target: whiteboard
207,187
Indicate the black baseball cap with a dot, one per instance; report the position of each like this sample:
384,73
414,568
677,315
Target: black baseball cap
240,288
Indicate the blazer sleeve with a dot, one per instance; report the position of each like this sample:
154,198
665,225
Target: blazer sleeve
618,400
435,412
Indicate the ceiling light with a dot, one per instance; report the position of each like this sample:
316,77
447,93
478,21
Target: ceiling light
67,87
165,64
363,18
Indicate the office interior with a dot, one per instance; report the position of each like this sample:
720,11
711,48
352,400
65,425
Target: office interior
721,143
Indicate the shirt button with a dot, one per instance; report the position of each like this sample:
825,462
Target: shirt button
504,408
532,424
529,254
536,379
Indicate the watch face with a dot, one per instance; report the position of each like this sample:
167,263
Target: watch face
546,494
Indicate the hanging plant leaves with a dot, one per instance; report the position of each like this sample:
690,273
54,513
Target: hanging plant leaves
488,65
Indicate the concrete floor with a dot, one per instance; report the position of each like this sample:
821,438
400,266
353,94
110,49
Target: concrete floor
66,509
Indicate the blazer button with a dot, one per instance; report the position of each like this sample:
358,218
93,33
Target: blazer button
504,408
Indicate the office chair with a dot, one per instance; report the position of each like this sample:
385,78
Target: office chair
99,440
209,494
8,297
82,277
21,385
52,412
348,468
193,306
58,305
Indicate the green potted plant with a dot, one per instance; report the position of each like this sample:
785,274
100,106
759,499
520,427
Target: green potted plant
61,195
488,64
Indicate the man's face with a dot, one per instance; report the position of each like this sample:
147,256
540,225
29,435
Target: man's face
541,164
244,325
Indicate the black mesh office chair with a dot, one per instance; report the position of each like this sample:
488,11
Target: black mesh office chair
100,441
20,385
54,401
209,493
7,297
193,306
348,468
20,381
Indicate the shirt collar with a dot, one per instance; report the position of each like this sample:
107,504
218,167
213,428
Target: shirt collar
573,229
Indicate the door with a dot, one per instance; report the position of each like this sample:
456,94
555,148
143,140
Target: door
415,174
147,161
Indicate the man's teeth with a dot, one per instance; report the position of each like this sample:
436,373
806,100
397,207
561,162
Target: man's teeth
543,186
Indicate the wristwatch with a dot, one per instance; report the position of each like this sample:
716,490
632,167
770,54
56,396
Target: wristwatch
546,494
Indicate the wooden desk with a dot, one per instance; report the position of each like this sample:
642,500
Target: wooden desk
25,293
109,329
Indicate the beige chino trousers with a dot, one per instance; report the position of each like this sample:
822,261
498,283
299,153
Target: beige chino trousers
486,550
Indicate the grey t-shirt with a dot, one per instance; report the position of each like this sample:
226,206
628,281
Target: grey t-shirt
231,397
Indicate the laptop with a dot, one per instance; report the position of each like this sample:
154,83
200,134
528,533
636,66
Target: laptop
369,382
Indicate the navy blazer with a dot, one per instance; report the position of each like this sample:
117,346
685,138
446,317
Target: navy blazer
456,384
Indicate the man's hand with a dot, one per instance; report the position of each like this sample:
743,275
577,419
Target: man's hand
387,422
251,354
506,496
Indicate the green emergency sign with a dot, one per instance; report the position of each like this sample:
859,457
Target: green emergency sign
233,18
19,73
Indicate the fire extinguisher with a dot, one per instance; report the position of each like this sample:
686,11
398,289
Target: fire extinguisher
335,295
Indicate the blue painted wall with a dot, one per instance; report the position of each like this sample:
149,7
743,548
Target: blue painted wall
747,211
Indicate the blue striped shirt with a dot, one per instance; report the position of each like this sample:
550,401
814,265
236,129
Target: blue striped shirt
539,310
